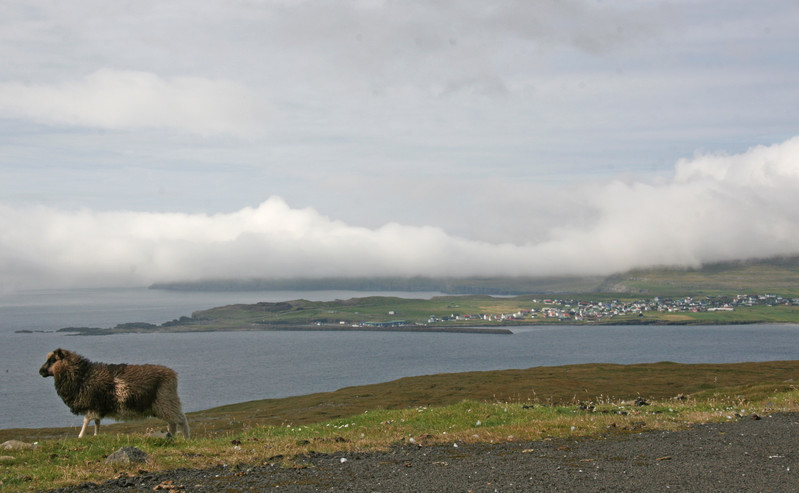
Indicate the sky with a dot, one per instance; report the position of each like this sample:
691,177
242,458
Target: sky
147,141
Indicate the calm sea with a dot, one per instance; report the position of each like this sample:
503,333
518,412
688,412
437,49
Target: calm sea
224,368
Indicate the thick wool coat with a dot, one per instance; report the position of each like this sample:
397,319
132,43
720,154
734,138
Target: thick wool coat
116,390
121,391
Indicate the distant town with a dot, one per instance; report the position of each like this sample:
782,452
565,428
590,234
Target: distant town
566,310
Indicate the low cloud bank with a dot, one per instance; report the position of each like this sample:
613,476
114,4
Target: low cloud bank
714,208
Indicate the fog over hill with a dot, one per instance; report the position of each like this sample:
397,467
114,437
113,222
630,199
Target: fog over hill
776,274
715,208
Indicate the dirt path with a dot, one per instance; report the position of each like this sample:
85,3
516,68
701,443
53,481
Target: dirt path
745,455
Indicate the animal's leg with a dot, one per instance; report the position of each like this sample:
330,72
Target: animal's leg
167,407
97,426
184,426
86,420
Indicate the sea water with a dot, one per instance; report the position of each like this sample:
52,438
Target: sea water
221,368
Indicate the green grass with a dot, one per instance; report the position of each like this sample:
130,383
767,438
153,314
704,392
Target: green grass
373,308
497,406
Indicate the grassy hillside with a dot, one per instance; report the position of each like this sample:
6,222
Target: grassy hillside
776,275
559,385
373,308
512,405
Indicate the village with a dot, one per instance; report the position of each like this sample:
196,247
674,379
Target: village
594,311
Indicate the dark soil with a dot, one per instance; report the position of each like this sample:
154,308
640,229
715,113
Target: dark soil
744,455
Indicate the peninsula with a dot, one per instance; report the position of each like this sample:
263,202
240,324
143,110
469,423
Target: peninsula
471,314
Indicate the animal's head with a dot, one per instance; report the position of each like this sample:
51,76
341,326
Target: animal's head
54,359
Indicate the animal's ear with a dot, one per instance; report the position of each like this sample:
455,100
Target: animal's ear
59,353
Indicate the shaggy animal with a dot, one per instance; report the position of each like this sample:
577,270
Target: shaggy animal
122,391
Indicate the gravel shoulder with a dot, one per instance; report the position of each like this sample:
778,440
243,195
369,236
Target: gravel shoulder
743,455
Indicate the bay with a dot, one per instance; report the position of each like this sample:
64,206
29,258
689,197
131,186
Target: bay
57,308
229,367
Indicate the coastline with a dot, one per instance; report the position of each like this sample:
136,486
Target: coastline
458,314
96,331
504,329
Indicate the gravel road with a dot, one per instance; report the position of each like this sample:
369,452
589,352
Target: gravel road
744,455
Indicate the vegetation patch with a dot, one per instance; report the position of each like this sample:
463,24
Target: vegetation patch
491,407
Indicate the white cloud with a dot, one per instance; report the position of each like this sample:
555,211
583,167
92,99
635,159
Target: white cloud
761,166
717,207
126,99
441,138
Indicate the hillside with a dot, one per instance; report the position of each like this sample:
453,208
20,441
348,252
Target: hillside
756,275
550,385
775,275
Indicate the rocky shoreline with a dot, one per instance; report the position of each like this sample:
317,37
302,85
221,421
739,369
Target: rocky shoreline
742,455
96,331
